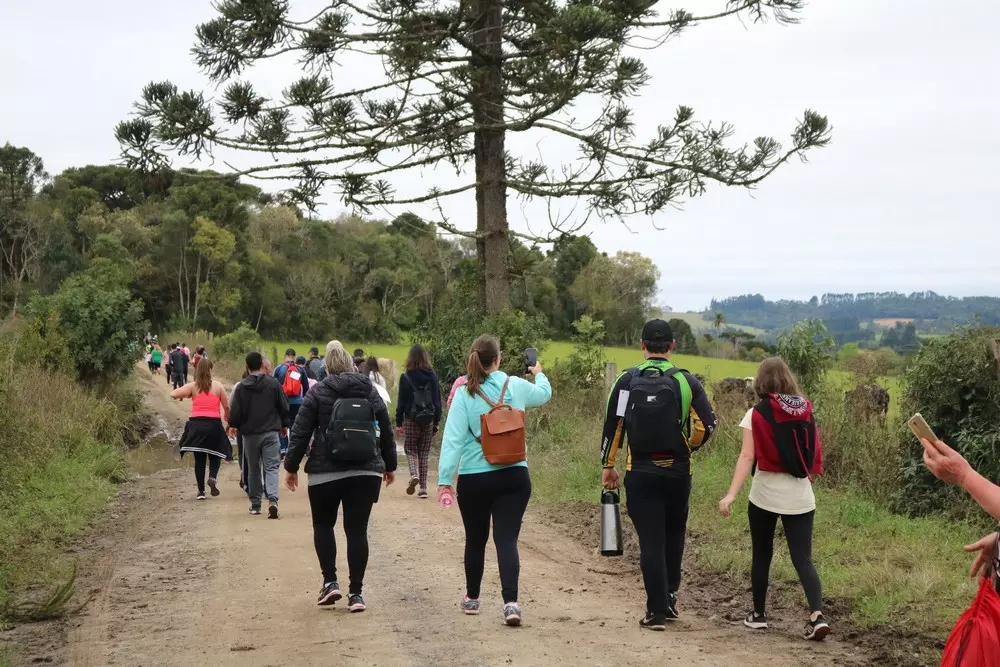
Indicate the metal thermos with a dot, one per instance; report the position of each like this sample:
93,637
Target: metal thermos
611,524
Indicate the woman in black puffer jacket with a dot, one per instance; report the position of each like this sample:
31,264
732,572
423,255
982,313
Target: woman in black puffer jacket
332,479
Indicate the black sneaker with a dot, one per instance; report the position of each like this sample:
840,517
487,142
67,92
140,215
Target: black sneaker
329,594
756,621
255,510
817,630
272,511
201,495
653,621
213,485
672,614
355,603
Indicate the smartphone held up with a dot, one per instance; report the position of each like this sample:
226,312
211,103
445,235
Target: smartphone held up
530,358
920,428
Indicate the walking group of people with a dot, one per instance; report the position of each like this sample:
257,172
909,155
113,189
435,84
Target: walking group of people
333,412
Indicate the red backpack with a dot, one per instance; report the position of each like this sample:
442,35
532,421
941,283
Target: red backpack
975,639
292,384
785,437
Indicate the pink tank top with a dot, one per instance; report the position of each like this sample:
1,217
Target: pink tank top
205,405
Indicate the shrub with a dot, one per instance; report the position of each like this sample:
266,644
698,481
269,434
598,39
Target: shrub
585,366
808,350
686,342
101,324
953,383
456,325
235,344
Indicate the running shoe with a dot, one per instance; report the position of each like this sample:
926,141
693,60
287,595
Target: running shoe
817,630
470,607
672,613
355,603
329,594
201,495
755,621
657,622
412,486
272,511
422,494
255,510
213,484
512,614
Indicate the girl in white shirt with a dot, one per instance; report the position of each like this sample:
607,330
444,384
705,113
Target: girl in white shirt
777,495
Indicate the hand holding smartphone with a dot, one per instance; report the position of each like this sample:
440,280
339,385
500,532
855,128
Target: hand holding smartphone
920,428
530,358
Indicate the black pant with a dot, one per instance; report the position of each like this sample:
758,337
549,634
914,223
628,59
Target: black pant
658,506
213,463
358,494
503,496
798,534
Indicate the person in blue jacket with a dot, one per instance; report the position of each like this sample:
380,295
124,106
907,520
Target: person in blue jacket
488,492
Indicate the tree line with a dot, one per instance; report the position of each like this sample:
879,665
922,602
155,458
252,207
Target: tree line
843,312
206,251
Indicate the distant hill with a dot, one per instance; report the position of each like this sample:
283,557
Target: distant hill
930,312
703,323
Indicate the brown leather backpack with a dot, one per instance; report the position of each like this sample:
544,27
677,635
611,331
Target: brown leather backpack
502,431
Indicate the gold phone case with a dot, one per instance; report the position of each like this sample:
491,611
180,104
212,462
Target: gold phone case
920,428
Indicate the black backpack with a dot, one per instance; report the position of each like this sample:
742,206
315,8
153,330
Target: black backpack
350,435
654,416
422,409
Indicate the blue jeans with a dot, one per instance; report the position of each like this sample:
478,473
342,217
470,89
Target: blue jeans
262,451
293,411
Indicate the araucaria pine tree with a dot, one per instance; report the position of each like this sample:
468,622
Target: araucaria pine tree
454,79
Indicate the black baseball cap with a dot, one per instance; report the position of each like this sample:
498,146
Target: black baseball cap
657,331
300,360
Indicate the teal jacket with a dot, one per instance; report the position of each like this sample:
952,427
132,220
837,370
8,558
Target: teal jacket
460,450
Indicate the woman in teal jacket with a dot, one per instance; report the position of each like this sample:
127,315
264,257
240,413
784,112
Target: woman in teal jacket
487,491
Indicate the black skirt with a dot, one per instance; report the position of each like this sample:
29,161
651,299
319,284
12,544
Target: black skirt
208,436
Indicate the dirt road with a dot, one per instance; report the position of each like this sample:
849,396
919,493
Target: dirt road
182,582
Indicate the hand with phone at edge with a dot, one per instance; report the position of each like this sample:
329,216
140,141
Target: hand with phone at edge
531,364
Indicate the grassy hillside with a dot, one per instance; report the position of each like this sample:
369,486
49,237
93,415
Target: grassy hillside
699,324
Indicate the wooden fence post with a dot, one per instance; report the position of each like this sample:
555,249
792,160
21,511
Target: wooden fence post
996,353
610,375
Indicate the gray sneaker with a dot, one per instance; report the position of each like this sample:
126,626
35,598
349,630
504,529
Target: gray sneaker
470,607
512,614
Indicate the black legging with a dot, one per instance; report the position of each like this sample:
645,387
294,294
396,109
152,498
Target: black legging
358,494
503,495
200,462
798,534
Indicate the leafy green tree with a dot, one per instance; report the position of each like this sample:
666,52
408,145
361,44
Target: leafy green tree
809,351
684,335
461,78
619,291
585,365
102,323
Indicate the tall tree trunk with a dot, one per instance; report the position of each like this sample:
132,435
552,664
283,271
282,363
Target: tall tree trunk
197,295
180,286
491,186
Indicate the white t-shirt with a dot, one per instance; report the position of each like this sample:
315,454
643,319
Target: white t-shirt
779,492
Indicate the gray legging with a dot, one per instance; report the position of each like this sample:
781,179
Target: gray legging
798,534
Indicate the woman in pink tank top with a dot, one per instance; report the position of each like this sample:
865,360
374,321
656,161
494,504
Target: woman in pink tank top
205,434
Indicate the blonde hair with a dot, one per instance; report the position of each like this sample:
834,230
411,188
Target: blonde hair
203,376
337,360
775,377
483,354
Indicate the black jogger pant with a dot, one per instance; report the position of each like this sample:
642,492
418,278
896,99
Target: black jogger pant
798,534
657,503
500,495
202,459
357,494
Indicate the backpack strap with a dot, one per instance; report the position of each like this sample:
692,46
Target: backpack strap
500,400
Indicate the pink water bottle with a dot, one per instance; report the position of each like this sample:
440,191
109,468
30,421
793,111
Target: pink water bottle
446,498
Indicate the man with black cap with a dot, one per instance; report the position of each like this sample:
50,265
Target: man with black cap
663,413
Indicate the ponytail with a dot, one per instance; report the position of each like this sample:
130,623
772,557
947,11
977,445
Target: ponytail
483,354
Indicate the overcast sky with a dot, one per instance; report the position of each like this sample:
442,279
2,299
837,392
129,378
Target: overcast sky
905,198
